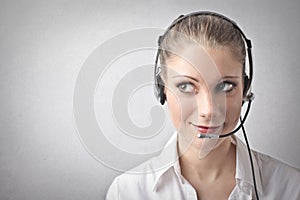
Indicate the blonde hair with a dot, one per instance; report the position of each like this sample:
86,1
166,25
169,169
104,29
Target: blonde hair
207,30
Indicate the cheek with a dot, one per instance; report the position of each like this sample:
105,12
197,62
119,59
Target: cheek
179,111
233,111
175,110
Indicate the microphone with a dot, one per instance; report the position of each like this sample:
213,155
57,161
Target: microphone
249,98
210,136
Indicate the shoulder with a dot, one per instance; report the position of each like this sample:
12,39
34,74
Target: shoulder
139,175
141,181
131,180
278,177
272,166
135,183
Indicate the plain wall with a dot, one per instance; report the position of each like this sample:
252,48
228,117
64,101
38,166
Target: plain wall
44,45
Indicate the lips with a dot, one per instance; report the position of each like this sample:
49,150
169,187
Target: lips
207,129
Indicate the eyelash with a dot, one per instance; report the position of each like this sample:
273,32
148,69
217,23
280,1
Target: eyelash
217,88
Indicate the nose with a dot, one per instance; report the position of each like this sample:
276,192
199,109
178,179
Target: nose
206,105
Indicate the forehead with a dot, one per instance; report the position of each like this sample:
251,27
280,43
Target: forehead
211,63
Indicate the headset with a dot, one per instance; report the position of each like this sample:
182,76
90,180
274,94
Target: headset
159,86
247,94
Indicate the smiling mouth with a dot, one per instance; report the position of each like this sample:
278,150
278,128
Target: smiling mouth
207,129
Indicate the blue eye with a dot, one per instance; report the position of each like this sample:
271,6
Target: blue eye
186,87
225,86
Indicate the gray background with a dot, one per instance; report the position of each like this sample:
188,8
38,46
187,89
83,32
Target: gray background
45,43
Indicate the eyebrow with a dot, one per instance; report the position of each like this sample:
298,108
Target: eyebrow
224,77
231,77
179,76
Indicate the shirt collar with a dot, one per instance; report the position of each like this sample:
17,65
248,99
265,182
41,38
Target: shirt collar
168,159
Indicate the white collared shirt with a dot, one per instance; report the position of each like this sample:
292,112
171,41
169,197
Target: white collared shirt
162,178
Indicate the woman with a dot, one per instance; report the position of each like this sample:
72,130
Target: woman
203,80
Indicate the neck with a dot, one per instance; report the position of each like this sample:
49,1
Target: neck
220,160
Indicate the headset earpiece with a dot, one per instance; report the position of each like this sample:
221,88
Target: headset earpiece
161,96
247,94
246,85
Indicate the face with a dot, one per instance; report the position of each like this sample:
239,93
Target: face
204,90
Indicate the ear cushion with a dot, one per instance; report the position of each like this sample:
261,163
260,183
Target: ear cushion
161,90
246,85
